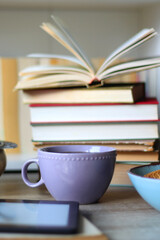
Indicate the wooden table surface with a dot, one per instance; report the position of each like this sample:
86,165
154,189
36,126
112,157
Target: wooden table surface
120,214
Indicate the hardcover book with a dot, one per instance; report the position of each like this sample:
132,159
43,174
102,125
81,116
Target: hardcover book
146,110
121,93
94,131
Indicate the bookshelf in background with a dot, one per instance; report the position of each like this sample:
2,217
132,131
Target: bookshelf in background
9,120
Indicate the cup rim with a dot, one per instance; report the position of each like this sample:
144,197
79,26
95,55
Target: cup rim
106,149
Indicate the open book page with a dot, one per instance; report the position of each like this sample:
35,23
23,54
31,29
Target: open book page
53,76
51,69
136,40
60,37
82,72
73,42
71,59
132,66
53,81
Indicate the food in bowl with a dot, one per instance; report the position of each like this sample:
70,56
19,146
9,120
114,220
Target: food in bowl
154,174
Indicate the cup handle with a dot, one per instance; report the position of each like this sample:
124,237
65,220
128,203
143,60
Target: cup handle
24,174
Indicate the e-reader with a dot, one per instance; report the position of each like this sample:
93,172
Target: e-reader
32,216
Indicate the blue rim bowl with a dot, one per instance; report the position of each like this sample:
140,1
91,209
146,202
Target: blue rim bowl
148,188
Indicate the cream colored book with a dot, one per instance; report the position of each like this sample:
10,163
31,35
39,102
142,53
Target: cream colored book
111,94
81,72
86,231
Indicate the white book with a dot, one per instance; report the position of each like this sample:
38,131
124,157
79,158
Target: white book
52,113
94,131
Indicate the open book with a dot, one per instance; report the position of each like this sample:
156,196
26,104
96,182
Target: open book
81,71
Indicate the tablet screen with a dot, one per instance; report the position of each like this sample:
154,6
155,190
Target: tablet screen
38,215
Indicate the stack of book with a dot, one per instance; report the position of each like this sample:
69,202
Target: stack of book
65,111
130,128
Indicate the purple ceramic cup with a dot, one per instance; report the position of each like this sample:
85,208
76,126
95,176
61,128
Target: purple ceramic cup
79,173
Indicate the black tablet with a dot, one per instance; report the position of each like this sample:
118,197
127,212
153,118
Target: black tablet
27,216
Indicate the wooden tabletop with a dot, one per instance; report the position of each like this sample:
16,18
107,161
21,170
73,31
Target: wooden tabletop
120,214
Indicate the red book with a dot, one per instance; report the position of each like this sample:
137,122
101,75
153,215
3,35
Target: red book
146,110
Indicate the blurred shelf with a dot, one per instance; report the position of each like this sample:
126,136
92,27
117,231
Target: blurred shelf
75,4
15,161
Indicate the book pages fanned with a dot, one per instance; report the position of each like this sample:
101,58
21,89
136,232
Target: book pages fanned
83,73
